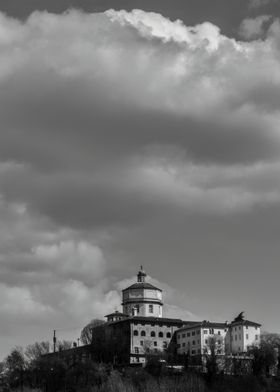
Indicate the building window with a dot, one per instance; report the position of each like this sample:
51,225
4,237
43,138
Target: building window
188,334
155,343
193,333
206,341
239,337
179,345
153,334
205,331
235,337
179,336
168,335
135,332
256,327
247,336
257,337
151,309
136,350
141,342
219,332
184,335
198,332
164,344
211,331
143,333
246,326
193,352
160,335
193,342
184,344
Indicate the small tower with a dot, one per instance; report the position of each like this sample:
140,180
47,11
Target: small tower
141,276
142,298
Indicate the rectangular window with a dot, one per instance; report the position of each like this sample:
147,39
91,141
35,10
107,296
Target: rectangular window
184,335
257,337
155,343
219,332
164,344
211,331
198,332
206,341
141,342
179,336
184,344
188,334
247,336
205,331
235,337
239,337
193,352
193,333
179,345
136,350
193,342
151,308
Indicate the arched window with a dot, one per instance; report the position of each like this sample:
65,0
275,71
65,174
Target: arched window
168,335
153,334
160,335
143,333
135,332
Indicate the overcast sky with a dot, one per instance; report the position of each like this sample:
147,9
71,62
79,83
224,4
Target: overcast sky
130,137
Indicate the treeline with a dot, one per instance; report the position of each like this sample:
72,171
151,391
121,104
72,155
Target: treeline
29,370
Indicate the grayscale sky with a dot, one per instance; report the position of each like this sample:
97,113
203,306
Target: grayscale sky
130,137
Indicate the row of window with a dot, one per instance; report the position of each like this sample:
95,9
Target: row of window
197,332
152,334
143,323
155,344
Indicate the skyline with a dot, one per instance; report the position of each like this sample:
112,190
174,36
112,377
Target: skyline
131,138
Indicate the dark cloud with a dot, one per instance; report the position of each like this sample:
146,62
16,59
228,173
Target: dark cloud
129,139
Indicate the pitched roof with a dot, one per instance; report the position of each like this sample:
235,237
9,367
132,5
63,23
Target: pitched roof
142,285
117,314
203,324
153,320
246,323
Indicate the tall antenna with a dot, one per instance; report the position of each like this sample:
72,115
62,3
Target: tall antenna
54,341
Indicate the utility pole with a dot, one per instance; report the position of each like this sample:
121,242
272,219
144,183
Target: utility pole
54,341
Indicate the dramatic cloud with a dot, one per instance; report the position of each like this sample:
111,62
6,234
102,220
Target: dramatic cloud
113,127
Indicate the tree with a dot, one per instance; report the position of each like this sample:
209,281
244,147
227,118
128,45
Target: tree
64,345
14,365
263,358
87,332
34,351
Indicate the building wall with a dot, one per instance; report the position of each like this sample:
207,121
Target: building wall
242,337
197,340
143,300
148,337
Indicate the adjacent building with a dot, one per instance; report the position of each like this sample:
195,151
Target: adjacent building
222,338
